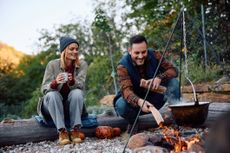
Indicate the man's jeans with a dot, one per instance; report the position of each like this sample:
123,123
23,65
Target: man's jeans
128,112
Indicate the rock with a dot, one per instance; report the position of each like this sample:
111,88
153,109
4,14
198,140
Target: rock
221,88
224,79
155,138
196,148
210,97
7,120
90,145
151,149
138,140
116,131
201,87
104,132
108,113
107,100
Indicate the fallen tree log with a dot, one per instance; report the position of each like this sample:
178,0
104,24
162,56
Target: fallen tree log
28,130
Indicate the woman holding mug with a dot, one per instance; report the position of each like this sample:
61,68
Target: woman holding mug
63,85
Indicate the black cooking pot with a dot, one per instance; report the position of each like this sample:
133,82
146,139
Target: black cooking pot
190,113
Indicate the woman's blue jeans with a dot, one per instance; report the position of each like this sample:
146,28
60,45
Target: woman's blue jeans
128,112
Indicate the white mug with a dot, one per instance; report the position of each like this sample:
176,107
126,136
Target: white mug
65,75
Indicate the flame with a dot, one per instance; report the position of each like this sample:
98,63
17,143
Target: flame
173,137
193,140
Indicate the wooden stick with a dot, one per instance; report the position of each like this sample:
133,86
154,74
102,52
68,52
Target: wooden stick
145,84
156,114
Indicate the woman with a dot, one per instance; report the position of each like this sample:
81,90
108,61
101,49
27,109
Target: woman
63,84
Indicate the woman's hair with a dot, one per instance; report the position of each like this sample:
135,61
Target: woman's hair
63,59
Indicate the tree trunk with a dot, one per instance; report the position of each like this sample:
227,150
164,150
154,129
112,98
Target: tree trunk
28,130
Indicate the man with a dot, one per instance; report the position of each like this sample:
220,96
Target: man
63,85
141,63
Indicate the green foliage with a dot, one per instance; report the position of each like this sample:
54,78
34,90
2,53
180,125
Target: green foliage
10,111
99,80
31,104
105,38
200,75
101,21
17,88
197,73
34,70
11,89
155,18
50,40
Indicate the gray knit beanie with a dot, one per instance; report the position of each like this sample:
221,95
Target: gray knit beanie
65,41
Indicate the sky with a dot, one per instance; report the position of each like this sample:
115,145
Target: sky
21,20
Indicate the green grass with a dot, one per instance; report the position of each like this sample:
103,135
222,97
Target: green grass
197,74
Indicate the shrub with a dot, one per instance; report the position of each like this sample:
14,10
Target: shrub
31,104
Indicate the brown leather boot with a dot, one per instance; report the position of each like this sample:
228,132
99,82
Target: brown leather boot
64,137
77,136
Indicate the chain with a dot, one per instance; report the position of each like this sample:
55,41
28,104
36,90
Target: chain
185,44
185,50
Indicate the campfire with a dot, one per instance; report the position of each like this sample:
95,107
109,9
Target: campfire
174,138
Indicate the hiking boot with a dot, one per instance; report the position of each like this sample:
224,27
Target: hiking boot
64,137
77,136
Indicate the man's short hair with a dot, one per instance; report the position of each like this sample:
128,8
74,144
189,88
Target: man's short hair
137,39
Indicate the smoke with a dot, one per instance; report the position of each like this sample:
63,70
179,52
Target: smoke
172,95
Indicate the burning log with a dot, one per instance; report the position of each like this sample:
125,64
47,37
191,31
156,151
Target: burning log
174,138
169,138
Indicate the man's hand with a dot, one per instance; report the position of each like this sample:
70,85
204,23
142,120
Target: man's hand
156,83
146,105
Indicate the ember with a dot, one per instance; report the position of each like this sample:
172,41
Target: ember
174,138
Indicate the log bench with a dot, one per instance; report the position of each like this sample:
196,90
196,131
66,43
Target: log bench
28,130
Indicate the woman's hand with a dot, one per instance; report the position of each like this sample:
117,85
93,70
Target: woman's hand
70,77
60,78
64,77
